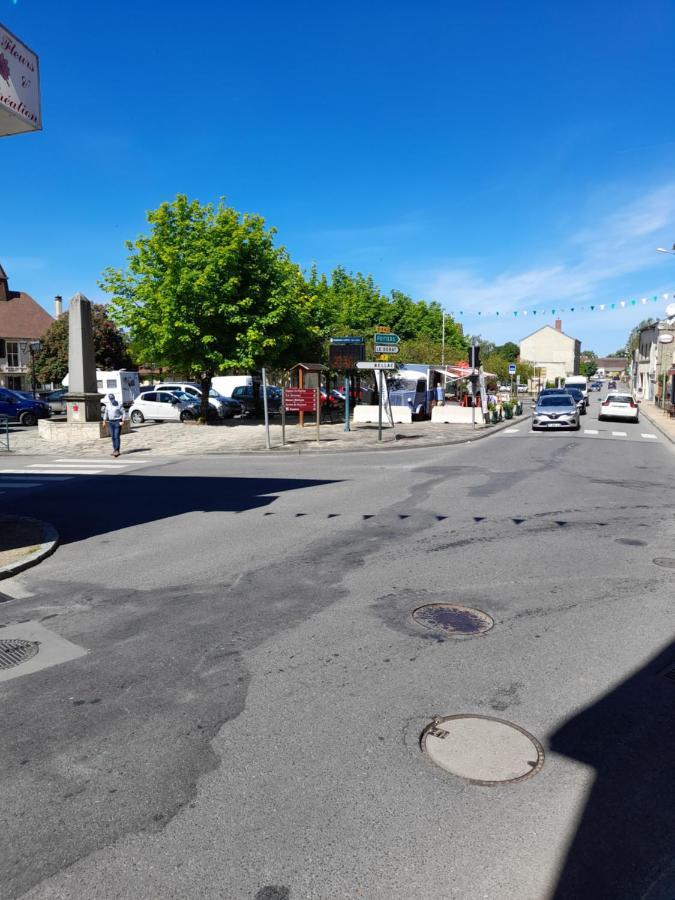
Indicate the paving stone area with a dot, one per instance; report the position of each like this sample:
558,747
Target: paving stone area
237,436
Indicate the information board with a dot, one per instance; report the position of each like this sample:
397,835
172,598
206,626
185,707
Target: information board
345,356
300,399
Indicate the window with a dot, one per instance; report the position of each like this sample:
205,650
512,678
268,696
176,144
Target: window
164,398
149,397
3,349
111,384
13,354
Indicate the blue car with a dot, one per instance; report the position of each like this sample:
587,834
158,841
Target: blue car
18,408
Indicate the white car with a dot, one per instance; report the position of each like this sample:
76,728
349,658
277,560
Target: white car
224,406
163,406
619,406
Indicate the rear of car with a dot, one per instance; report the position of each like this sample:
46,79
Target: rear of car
579,399
554,411
619,406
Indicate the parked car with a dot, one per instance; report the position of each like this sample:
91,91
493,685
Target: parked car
24,410
244,395
224,406
163,406
55,400
556,411
619,406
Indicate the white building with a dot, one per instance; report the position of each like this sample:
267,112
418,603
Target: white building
554,354
644,363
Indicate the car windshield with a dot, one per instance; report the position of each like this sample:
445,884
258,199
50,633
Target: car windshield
620,398
557,400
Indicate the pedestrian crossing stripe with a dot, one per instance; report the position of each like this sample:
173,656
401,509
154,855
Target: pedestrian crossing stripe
651,437
619,434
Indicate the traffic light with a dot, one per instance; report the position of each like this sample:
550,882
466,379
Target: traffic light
474,356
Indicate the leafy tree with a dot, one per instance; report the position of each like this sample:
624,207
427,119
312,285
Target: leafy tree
110,347
499,364
208,291
509,351
486,347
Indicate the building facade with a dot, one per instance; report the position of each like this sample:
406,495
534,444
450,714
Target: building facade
22,324
554,354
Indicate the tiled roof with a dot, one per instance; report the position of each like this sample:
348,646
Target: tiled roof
611,362
23,318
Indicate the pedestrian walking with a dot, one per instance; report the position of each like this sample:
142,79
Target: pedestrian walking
113,416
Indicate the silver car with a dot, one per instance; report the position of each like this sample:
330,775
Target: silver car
555,411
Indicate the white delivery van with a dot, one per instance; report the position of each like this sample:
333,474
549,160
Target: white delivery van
122,383
225,384
578,381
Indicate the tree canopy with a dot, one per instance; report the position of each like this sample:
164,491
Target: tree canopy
207,290
110,347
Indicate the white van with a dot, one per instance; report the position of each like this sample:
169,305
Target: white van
225,384
578,381
122,383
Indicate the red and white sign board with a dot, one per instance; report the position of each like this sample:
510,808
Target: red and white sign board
19,86
300,399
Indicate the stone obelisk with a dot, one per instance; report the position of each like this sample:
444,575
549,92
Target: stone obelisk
83,401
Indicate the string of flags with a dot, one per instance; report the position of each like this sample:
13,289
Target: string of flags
590,307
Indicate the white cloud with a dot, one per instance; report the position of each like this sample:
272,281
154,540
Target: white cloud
621,243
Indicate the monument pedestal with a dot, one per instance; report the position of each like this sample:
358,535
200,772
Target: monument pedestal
83,407
75,432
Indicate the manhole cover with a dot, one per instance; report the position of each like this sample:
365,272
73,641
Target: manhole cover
456,620
13,652
482,749
666,561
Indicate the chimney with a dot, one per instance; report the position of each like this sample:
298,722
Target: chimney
58,306
558,325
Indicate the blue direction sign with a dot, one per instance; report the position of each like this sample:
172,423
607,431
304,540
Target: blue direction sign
386,338
347,340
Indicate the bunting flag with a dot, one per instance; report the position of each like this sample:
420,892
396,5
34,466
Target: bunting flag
593,307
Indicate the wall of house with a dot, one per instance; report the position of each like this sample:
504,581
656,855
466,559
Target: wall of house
554,350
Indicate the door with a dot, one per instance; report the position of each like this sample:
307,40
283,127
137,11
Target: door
167,408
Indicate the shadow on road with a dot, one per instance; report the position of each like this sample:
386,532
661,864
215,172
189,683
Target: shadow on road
86,506
625,840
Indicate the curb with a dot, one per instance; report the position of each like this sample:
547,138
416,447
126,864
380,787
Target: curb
657,425
50,541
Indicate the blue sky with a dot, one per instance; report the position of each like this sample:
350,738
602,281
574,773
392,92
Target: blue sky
492,156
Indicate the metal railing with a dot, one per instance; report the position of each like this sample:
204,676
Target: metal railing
4,433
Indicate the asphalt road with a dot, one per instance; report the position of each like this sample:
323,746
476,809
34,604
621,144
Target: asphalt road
246,721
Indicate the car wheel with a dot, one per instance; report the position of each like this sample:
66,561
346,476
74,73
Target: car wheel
28,418
137,417
186,416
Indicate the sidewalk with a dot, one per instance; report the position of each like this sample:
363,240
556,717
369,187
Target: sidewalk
660,420
244,435
24,542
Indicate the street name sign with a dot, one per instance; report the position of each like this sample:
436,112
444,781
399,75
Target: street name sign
376,365
386,338
346,340
386,348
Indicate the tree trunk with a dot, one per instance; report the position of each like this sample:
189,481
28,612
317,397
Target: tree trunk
205,384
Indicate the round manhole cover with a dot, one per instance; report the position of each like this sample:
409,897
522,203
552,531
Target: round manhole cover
666,561
452,619
13,652
482,749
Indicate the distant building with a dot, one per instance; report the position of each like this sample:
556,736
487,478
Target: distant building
554,354
644,362
22,323
611,366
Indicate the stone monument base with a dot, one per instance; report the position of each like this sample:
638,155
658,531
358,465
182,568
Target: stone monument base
74,432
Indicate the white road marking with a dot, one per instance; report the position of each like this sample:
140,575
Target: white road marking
589,431
77,467
619,434
47,471
27,474
651,437
511,430
84,461
14,589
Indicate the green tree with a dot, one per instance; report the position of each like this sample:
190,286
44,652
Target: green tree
110,347
207,291
509,351
588,363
